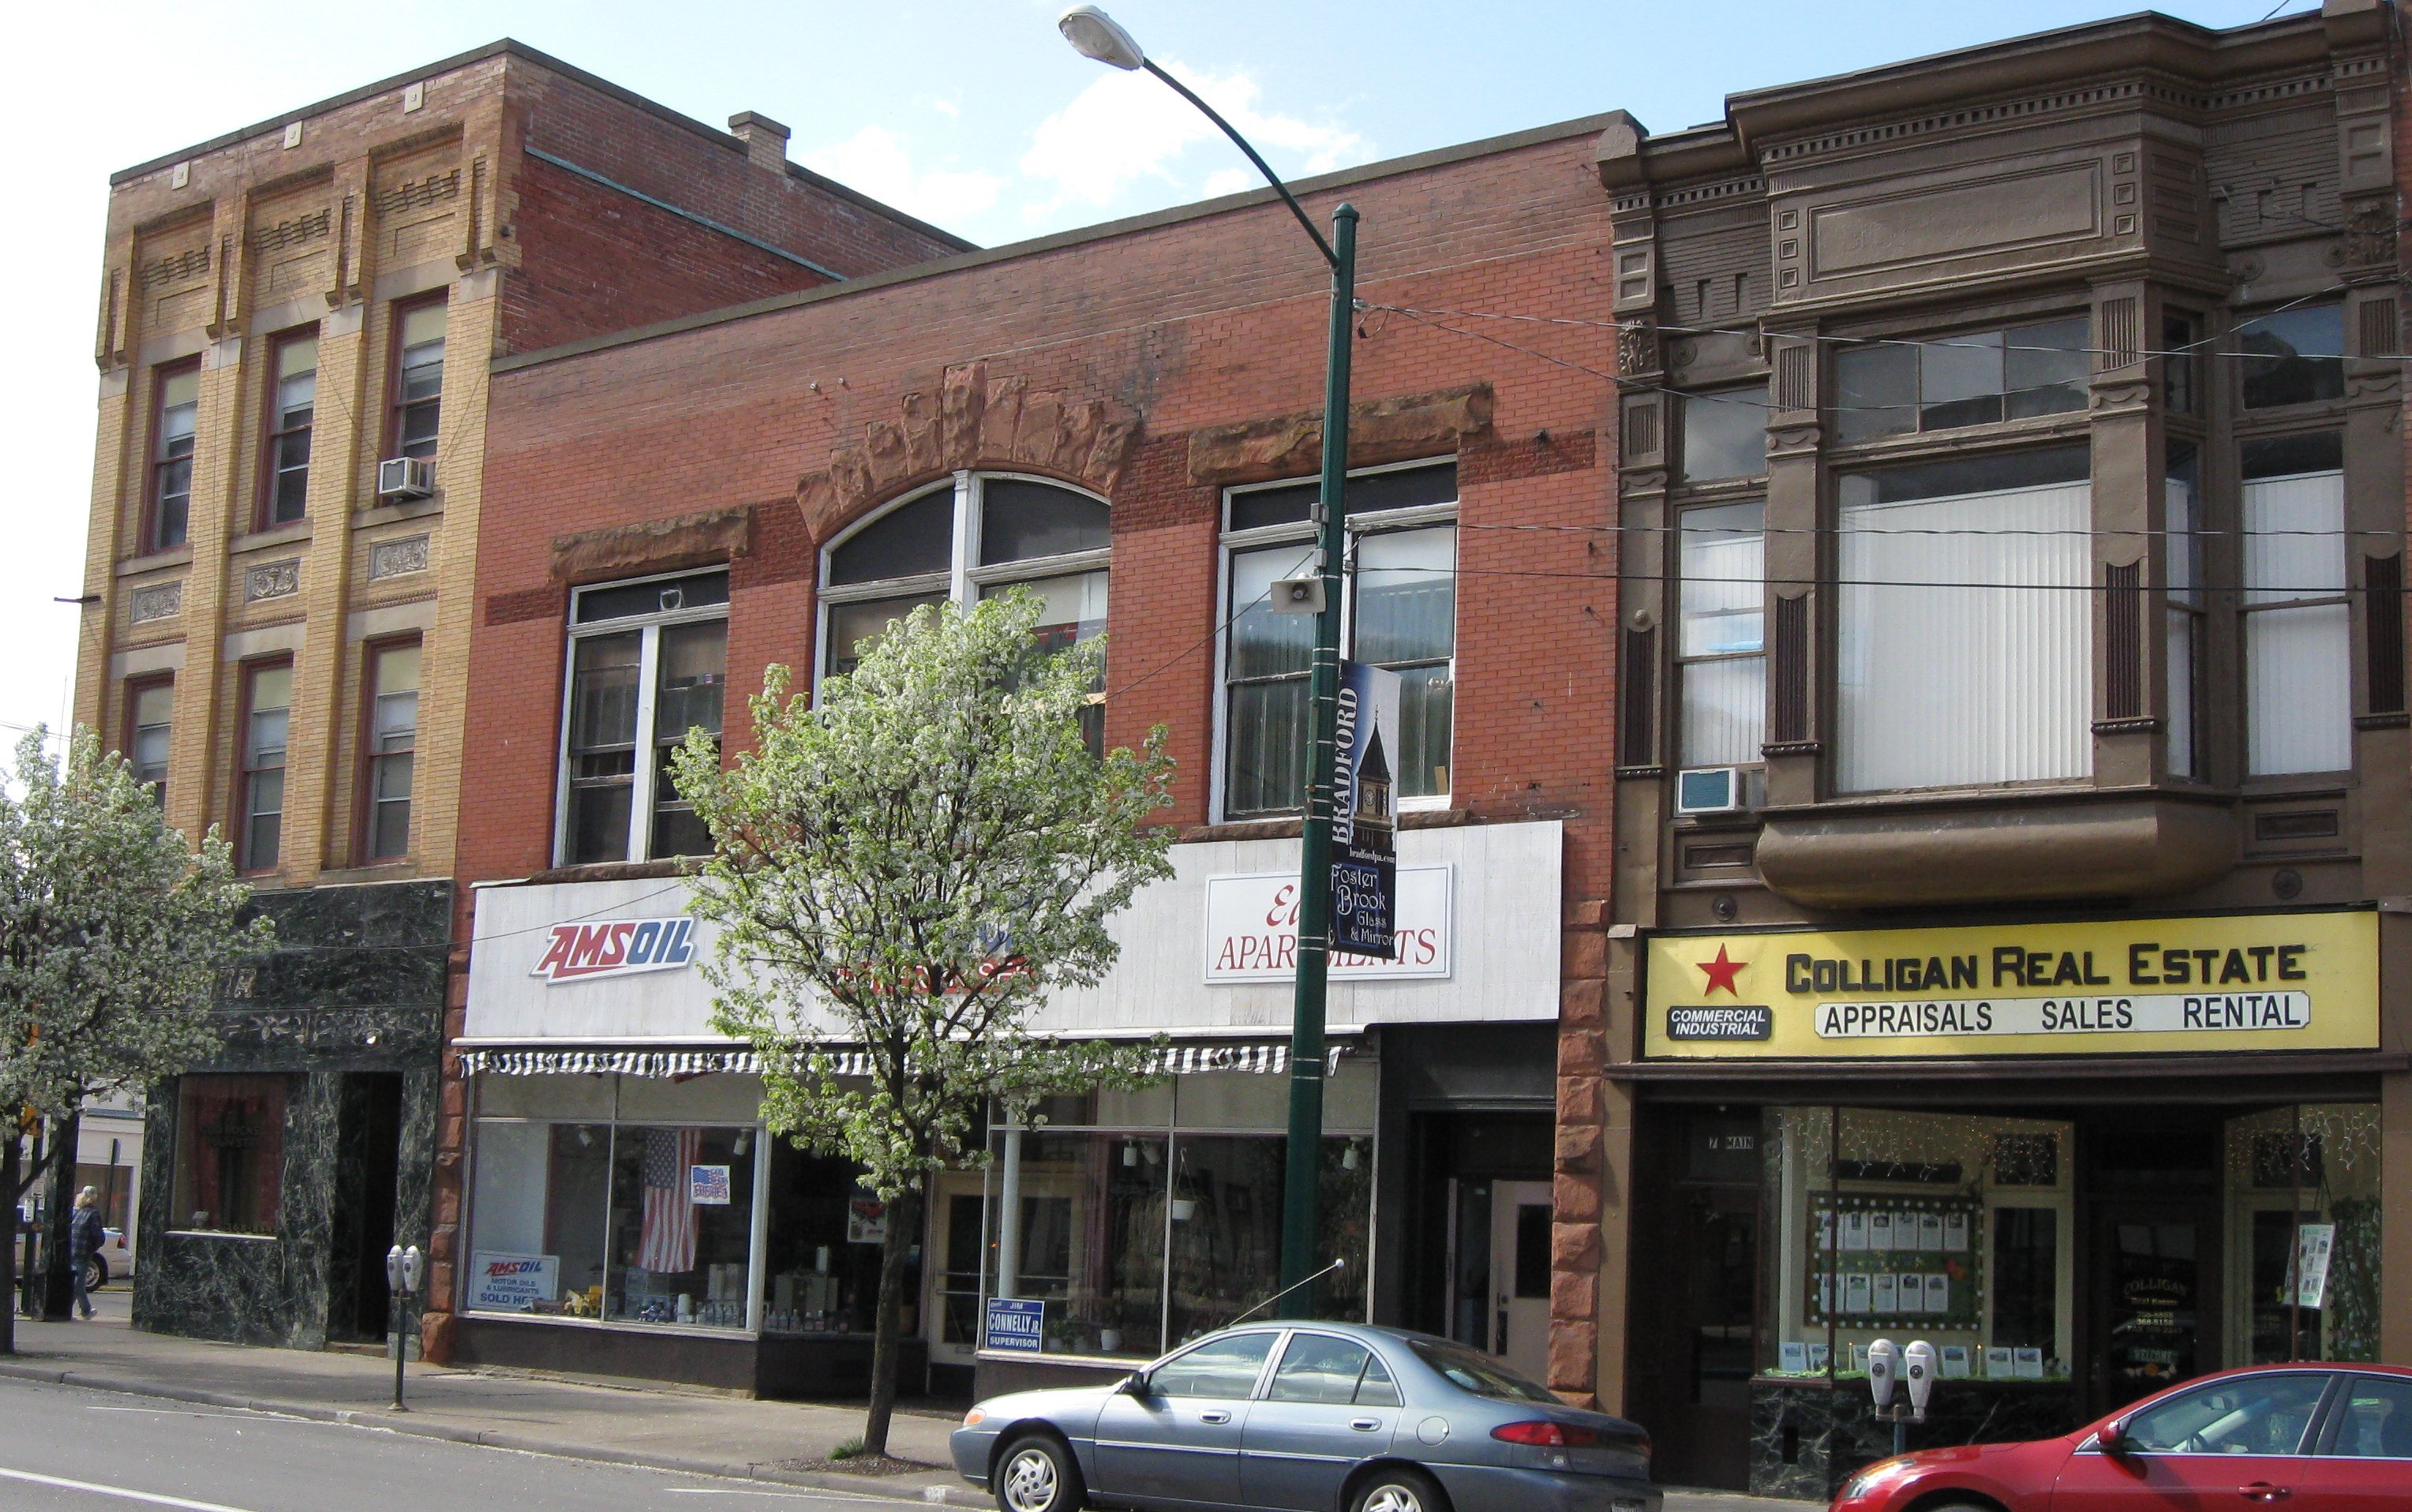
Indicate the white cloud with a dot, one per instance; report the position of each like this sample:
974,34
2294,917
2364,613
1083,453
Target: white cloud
879,163
1126,128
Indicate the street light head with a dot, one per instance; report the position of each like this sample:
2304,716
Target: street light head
1094,35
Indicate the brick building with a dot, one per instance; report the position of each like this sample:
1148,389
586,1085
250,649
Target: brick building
1131,406
295,328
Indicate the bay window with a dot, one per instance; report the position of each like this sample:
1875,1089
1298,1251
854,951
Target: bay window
647,664
1965,630
1978,377
2298,622
1720,646
1399,611
2183,548
976,536
2292,356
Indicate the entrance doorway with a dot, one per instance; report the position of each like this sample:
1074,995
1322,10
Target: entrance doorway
368,1148
1695,1309
1498,1292
2153,1277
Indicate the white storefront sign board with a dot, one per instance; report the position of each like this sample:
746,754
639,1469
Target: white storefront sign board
504,1282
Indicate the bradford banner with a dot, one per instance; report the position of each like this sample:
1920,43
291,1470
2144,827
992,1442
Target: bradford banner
2260,981
1364,814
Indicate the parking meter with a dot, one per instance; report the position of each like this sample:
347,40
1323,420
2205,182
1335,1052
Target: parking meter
1884,1367
414,1270
1918,1365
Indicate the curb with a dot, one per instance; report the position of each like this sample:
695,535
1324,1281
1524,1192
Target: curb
917,1495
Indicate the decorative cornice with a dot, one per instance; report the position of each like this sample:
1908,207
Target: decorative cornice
1398,429
652,546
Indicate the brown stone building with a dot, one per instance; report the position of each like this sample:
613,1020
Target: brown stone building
295,330
2011,767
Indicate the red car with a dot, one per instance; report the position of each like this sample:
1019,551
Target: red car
2308,1438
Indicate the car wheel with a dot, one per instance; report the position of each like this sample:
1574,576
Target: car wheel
96,1273
1037,1474
1397,1489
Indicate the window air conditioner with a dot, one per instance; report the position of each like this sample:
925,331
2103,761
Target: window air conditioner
406,478
1712,790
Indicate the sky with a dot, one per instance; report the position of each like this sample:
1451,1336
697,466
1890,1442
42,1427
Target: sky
971,113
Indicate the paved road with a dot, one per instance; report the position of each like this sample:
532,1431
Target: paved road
67,1449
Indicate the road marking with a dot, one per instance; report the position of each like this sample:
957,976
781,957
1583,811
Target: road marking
98,1490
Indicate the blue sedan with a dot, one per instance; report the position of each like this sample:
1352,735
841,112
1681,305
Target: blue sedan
1307,1418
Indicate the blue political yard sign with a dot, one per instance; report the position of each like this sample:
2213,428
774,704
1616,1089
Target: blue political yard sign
1364,814
1015,1323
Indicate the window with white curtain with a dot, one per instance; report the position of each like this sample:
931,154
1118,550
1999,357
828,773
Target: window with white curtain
2183,548
2298,623
1966,643
1720,643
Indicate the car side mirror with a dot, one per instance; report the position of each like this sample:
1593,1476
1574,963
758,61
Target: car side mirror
1134,1385
2111,1437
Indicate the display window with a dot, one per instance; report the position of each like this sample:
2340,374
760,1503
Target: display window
230,1154
2303,1234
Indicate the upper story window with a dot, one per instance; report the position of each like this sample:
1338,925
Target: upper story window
175,412
292,401
2292,356
1399,611
1964,641
150,708
971,538
1724,433
267,715
417,378
1721,647
648,662
1976,377
387,751
2298,619
2181,348
2186,606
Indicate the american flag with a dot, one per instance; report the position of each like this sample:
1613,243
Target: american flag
666,1241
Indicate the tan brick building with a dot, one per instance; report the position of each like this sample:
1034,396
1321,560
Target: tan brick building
295,327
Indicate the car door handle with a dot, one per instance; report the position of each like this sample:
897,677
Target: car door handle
1215,1417
1365,1425
2262,1491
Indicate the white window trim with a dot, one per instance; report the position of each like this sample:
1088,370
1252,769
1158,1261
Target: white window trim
640,800
965,577
1231,542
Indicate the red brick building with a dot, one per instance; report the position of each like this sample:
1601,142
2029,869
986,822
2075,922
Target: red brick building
694,501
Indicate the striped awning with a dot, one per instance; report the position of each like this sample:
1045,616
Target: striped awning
1256,1057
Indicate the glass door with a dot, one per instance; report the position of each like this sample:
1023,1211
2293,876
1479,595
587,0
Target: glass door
2156,1266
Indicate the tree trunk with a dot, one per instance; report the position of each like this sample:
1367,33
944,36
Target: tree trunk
58,1279
902,1215
12,1159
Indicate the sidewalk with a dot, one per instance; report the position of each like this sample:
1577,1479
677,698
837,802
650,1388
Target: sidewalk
660,1429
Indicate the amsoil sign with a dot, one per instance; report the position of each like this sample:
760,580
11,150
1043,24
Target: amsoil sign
588,948
1252,930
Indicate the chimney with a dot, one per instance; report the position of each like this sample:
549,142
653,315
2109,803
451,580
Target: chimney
765,139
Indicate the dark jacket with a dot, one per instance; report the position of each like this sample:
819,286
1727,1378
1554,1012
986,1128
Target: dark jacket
86,1234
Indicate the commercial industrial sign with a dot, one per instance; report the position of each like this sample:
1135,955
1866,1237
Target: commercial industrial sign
1252,930
1364,821
586,950
2265,981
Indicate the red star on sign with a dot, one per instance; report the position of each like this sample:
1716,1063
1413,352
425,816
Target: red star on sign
1723,971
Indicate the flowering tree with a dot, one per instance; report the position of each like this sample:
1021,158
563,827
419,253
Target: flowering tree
113,932
905,871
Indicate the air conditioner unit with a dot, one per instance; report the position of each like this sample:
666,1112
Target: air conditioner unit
406,478
1713,789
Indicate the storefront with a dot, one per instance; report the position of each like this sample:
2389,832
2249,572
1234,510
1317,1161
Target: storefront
2082,1160
628,1213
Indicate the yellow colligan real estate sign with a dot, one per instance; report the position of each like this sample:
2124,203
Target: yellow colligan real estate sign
2257,981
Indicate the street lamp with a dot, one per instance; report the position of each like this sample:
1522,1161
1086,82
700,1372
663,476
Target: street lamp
1094,35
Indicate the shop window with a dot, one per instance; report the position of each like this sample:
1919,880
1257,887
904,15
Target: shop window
1976,377
822,1260
230,1153
2292,356
389,749
1722,643
1399,612
149,709
418,393
682,1225
292,404
2303,1257
175,414
2182,550
1965,639
2298,622
540,1210
1725,435
267,718
977,537
648,664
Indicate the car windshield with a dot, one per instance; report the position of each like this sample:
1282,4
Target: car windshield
1479,1373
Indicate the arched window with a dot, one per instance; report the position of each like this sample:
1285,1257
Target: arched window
966,540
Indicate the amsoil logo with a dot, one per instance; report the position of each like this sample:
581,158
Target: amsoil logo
615,947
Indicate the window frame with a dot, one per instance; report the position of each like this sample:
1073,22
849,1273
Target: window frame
250,672
1681,512
649,628
1231,544
364,800
2325,416
130,730
396,407
1918,335
156,465
966,576
272,430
